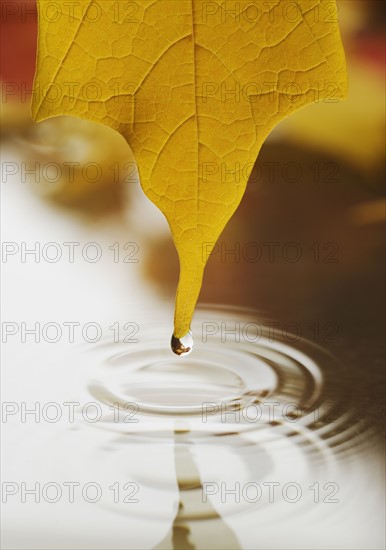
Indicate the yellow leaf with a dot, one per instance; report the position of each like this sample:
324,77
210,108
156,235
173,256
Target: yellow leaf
195,87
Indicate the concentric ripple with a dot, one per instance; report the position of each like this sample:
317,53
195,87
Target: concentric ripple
237,410
231,383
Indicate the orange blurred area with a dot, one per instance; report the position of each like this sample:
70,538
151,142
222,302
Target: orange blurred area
18,43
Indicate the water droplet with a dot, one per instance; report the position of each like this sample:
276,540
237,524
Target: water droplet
184,345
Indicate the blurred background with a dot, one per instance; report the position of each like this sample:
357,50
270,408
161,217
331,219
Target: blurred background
306,246
319,179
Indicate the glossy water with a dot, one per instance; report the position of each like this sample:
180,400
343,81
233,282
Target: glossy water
234,411
286,389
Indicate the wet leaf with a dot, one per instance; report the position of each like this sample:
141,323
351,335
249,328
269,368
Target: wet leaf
195,87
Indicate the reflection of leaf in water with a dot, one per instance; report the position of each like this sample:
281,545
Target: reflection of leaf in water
195,93
181,535
209,526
